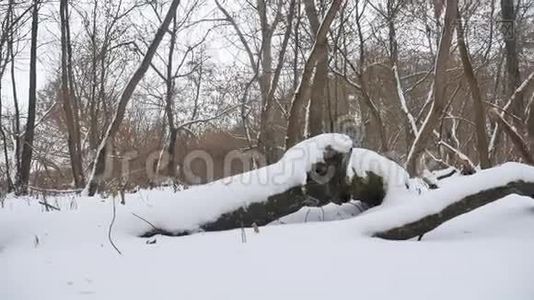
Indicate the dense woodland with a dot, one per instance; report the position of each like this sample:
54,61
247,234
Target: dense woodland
429,84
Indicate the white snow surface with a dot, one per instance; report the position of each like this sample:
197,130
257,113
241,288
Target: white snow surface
485,254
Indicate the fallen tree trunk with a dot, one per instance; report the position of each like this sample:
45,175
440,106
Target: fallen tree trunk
322,170
430,222
320,188
312,173
338,176
371,178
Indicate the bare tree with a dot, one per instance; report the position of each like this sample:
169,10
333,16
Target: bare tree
27,148
262,67
16,129
67,96
319,95
101,62
476,95
297,117
4,57
438,90
171,74
99,162
266,138
363,86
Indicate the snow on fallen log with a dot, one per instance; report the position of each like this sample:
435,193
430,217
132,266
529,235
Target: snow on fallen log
416,215
375,179
310,171
465,205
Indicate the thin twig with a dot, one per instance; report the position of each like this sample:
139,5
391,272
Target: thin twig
146,221
111,226
47,205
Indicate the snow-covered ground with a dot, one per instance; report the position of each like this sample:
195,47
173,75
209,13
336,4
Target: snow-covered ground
67,254
486,254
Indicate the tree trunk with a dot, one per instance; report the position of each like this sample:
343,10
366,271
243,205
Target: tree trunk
9,182
530,125
75,103
6,38
113,128
476,95
169,103
314,192
297,116
438,90
73,138
171,150
523,147
413,219
16,132
27,147
319,93
375,113
513,80
93,118
267,136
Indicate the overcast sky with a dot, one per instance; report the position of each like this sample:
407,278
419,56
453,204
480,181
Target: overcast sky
220,48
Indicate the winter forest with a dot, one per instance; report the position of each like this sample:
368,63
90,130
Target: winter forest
266,149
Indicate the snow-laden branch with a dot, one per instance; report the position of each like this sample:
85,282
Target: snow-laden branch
519,91
515,136
460,195
460,154
433,219
402,100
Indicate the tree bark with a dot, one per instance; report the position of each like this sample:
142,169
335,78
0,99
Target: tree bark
530,124
113,128
27,147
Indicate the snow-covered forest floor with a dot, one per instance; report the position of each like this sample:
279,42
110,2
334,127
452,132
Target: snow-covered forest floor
485,254
92,248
